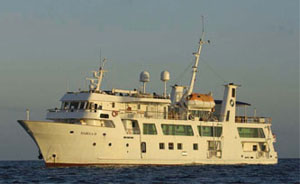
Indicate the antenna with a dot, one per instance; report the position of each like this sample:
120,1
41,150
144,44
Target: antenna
100,57
202,19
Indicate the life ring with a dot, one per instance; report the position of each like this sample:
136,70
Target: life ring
114,113
191,117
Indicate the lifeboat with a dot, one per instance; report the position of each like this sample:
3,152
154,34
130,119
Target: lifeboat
197,101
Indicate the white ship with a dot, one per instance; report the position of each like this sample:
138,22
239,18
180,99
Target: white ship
133,127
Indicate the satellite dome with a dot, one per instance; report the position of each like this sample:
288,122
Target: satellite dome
165,75
144,76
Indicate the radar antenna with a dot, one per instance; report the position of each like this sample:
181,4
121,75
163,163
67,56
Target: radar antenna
96,80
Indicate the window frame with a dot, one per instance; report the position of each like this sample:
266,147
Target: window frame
148,132
179,146
161,146
173,129
143,147
171,146
195,146
256,132
214,131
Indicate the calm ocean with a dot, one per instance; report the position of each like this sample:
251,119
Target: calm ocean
286,171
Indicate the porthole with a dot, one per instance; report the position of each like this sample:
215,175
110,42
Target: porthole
94,144
71,132
231,103
127,145
109,144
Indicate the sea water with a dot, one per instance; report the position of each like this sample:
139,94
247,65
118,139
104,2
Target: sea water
286,171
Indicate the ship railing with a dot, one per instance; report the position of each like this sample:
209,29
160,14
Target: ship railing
143,114
246,119
125,113
72,110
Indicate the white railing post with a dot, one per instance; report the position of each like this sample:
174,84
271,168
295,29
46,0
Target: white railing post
27,114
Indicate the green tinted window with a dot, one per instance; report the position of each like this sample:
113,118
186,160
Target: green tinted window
251,132
210,131
184,130
149,129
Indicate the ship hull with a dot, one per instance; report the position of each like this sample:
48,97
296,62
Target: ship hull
63,144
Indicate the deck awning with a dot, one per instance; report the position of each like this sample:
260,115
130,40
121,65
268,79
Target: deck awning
238,103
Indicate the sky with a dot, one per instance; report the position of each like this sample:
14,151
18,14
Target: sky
48,47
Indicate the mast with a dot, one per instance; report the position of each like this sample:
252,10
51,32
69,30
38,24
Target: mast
197,56
100,77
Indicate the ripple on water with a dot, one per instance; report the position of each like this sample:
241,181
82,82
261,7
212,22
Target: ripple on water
286,171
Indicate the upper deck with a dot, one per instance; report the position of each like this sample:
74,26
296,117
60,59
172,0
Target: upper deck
93,105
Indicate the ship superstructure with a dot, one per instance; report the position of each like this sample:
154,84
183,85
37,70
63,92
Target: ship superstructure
117,126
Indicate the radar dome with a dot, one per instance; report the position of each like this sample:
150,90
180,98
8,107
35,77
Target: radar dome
144,76
165,75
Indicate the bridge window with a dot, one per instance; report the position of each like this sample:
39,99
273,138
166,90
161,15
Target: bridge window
149,129
82,104
210,131
74,105
65,105
251,132
89,105
181,130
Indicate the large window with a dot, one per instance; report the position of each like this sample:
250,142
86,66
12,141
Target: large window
251,132
184,130
131,126
65,105
149,129
210,131
109,123
82,104
74,105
